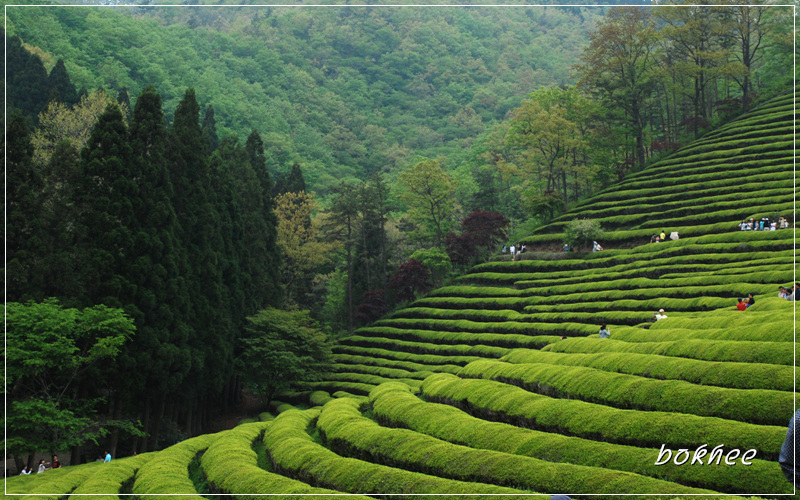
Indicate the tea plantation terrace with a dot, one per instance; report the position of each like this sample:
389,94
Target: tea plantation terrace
472,389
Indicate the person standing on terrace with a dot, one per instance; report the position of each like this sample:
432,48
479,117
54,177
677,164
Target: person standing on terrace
663,235
750,299
741,305
604,332
788,453
660,315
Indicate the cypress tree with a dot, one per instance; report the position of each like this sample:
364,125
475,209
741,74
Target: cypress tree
108,219
124,101
61,266
158,359
295,182
23,184
195,208
210,129
60,86
267,269
26,86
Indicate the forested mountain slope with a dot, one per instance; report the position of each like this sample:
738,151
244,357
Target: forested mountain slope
342,91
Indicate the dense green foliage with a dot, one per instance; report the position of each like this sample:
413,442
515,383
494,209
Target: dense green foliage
54,354
279,349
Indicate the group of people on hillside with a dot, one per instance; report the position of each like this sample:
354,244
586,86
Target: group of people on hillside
55,464
744,303
764,224
658,238
788,292
605,332
516,251
43,466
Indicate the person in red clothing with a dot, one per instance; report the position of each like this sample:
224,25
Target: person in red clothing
741,305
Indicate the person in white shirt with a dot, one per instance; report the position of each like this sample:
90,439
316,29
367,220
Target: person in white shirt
660,315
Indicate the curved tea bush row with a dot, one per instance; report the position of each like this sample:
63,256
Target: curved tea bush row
294,453
767,332
426,359
361,378
380,371
666,202
594,301
488,317
426,348
699,179
344,394
694,187
726,285
497,401
642,236
734,246
317,398
643,199
698,175
168,471
351,360
53,484
113,475
758,406
439,337
533,329
673,287
336,386
777,353
347,432
394,405
722,374
689,270
231,466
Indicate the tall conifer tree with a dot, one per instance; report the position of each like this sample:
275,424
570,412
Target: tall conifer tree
268,260
60,86
23,184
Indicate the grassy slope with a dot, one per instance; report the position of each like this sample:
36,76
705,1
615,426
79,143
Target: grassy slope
474,390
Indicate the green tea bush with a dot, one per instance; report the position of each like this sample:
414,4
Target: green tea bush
319,398
722,374
347,432
381,372
334,386
52,484
426,348
497,401
361,378
110,477
231,466
456,325
444,337
294,453
428,359
394,405
743,352
168,471
758,406
351,359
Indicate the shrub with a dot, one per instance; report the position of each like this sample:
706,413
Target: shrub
741,351
394,405
758,406
231,466
734,375
581,232
168,471
346,431
293,452
495,401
